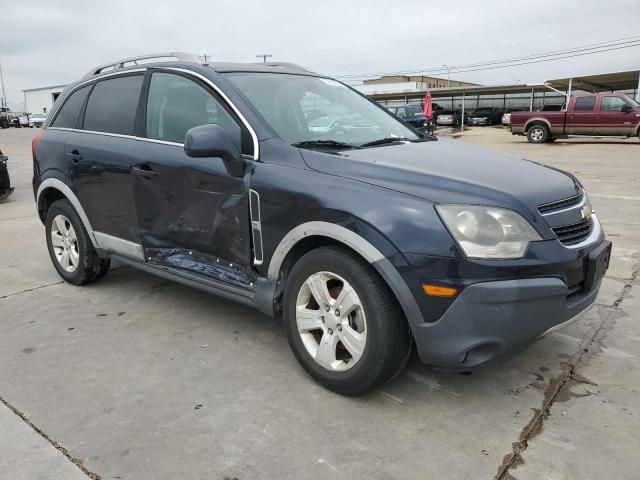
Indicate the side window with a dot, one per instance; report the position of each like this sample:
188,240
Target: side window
585,104
176,104
68,114
612,104
112,105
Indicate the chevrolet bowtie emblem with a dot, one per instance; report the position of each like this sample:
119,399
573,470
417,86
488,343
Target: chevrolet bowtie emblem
586,212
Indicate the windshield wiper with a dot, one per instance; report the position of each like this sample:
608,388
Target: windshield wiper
385,141
323,143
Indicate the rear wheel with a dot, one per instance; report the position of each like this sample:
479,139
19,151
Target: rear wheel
70,247
537,134
343,324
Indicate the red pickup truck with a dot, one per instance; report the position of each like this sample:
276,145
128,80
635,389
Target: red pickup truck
609,114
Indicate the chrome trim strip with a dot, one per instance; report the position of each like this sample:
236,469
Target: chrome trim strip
66,191
119,245
256,228
325,229
119,135
566,323
254,137
575,206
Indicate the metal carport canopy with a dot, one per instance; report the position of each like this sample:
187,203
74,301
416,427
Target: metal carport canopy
603,82
457,91
629,80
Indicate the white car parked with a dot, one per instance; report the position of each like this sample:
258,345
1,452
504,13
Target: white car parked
37,119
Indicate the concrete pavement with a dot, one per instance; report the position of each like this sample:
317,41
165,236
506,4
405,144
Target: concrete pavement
140,378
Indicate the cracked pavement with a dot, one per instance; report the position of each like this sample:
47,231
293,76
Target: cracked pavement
139,378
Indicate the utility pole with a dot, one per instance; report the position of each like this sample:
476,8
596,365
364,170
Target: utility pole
4,95
206,57
448,75
264,57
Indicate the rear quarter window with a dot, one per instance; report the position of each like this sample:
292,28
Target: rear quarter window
585,104
67,117
113,104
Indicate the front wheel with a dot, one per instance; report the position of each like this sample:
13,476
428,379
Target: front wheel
537,134
343,324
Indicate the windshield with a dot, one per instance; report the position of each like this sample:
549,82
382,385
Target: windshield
631,101
38,115
302,108
483,111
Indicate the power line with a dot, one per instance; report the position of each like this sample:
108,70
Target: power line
514,59
493,48
539,57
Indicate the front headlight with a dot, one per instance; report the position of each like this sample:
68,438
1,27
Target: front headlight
488,232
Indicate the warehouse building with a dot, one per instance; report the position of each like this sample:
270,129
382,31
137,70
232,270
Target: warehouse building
40,100
410,82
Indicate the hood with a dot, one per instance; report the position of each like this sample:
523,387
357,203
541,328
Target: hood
446,171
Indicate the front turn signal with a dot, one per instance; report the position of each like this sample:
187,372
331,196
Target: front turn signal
438,290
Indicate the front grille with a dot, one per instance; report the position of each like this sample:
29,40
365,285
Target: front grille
575,233
560,204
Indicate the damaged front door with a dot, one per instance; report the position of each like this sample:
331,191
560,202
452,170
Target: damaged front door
192,213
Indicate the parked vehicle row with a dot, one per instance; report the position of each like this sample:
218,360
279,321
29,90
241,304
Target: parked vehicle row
606,114
364,240
21,120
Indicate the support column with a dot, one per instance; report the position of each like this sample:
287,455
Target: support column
462,120
531,101
638,89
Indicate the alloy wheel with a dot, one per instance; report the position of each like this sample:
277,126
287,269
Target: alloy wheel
65,243
537,134
331,321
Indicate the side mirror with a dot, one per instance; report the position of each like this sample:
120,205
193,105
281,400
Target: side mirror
213,141
626,108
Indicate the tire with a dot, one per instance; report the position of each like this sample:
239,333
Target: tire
368,345
537,133
65,232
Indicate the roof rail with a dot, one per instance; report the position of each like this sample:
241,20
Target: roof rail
290,66
179,56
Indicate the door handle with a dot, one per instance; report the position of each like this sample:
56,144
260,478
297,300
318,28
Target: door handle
144,170
74,155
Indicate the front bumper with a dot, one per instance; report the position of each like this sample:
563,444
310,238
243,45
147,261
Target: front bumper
501,309
491,319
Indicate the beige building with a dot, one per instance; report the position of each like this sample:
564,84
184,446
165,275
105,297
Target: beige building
418,81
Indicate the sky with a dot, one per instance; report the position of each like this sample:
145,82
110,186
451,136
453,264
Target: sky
51,42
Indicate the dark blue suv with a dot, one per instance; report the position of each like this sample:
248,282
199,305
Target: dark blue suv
363,235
